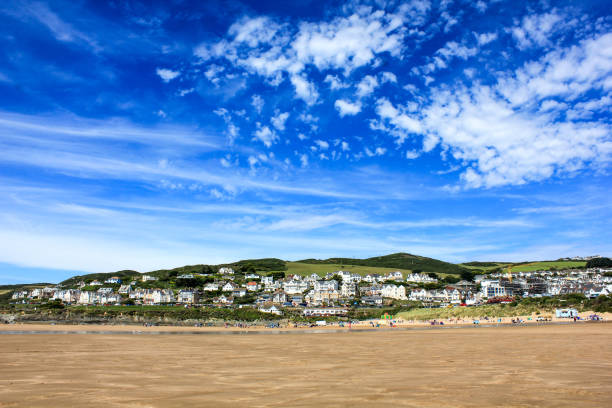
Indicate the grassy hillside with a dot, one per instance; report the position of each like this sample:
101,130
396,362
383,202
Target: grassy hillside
6,291
248,265
395,261
545,265
123,275
405,263
544,306
486,267
304,269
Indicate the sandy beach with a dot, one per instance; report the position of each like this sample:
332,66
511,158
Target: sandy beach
549,366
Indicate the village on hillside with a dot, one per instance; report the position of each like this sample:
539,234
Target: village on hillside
331,295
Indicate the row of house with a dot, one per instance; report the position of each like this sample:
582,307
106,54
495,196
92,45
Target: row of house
312,291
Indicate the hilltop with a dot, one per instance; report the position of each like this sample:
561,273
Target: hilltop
404,262
399,260
247,265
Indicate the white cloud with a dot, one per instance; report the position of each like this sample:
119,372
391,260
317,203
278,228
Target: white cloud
348,42
323,145
481,6
257,102
279,120
304,160
252,161
388,77
506,135
345,146
167,75
262,46
253,31
265,135
335,82
305,90
366,86
345,107
184,92
536,29
379,151
567,73
454,49
401,123
411,154
485,38
212,73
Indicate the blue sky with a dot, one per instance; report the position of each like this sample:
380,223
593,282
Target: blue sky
149,135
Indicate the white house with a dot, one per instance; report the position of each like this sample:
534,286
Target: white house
226,271
105,290
158,296
394,292
211,287
325,311
19,294
492,288
420,278
239,292
114,279
147,278
279,297
229,286
348,289
252,286
396,276
294,287
272,309
421,295
325,285
87,297
188,297
125,289
372,278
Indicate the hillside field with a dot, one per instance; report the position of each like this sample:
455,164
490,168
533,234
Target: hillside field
524,266
304,269
547,265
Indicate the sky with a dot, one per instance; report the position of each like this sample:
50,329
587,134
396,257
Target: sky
148,135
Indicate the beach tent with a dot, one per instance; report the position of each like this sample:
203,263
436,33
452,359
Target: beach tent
566,313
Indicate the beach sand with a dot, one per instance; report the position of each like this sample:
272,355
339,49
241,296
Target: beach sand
546,366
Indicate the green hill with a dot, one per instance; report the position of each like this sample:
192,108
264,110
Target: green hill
406,263
397,261
247,265
123,275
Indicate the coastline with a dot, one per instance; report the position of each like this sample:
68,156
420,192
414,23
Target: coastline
368,325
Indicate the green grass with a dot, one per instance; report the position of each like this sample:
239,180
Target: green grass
396,261
486,268
305,269
471,312
537,266
526,266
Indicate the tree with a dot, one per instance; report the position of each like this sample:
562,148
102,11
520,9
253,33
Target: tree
277,275
467,275
451,279
599,263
